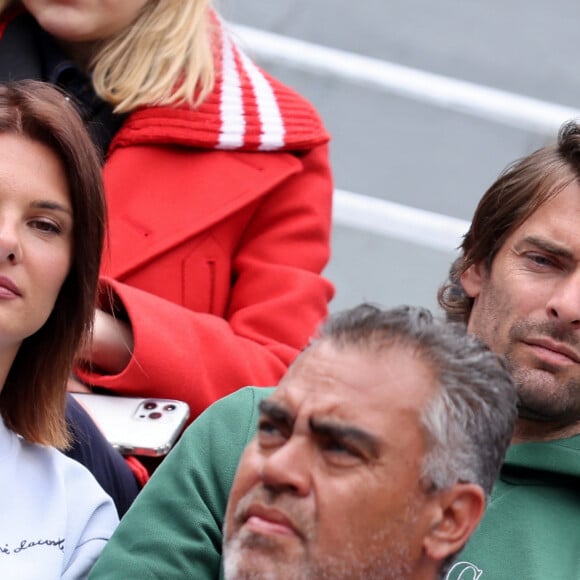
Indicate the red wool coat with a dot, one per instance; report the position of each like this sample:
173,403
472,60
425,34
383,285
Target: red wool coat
219,226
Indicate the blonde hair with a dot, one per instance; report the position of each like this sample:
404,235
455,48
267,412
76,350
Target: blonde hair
165,57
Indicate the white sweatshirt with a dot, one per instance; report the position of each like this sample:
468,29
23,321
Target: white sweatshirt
54,517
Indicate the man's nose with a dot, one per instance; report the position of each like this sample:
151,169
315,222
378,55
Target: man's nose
564,303
289,468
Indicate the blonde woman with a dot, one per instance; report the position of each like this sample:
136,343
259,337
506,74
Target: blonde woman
55,518
218,185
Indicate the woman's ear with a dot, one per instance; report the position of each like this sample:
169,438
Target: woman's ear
461,510
472,279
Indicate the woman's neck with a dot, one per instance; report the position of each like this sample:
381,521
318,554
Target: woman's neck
81,53
7,356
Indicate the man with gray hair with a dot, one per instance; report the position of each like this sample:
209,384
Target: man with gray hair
371,459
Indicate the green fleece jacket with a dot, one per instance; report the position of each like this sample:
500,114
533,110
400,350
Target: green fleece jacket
531,529
174,529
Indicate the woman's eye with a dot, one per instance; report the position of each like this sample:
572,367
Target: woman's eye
47,226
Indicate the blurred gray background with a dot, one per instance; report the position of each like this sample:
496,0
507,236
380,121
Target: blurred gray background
410,152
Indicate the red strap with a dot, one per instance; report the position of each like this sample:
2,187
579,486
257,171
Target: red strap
138,469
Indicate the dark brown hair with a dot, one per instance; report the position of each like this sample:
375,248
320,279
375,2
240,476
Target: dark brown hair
518,192
32,401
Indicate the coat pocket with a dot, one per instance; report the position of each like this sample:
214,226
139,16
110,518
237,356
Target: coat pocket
205,276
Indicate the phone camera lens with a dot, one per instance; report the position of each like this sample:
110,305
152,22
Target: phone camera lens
155,415
150,405
170,407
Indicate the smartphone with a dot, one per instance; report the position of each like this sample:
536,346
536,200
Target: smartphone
136,426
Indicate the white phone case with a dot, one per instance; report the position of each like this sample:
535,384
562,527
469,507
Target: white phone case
134,425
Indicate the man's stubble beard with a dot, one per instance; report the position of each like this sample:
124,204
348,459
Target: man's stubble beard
543,395
389,560
392,564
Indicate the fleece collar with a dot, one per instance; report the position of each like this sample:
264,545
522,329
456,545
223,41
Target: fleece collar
559,458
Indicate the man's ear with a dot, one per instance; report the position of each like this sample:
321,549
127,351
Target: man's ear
460,511
472,279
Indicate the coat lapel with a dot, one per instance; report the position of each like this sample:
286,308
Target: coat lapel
158,197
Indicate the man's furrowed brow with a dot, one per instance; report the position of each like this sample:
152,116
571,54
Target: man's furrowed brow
548,246
362,439
276,412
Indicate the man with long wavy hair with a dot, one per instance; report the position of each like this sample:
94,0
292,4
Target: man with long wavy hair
517,286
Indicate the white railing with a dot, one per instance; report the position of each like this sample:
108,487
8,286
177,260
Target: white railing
376,215
461,96
393,220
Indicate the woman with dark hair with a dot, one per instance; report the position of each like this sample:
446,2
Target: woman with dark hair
55,517
218,187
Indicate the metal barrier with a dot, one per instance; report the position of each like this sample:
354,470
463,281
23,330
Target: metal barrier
385,218
382,217
461,96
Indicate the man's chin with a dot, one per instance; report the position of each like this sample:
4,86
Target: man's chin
539,393
252,557
544,398
536,381
255,566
